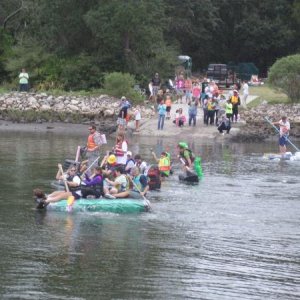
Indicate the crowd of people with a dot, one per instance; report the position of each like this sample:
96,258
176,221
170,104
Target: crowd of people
197,93
120,174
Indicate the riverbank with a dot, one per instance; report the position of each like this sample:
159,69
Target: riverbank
72,114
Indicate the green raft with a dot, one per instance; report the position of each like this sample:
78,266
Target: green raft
124,206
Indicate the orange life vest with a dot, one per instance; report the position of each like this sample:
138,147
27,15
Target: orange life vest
90,142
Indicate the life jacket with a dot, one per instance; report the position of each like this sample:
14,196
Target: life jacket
168,102
234,99
137,187
118,149
154,178
191,154
228,108
164,165
73,188
91,142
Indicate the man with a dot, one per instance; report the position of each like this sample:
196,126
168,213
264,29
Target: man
93,145
155,84
23,81
186,156
245,93
284,128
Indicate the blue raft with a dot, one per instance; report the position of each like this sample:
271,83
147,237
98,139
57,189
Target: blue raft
124,206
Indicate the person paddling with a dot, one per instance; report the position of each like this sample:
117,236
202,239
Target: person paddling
284,128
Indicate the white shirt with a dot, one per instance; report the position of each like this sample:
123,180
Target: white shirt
122,159
284,127
245,89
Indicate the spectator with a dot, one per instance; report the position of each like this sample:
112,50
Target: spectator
23,80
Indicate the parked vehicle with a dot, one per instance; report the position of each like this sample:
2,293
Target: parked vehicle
222,75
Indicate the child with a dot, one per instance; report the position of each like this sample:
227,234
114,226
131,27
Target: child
168,104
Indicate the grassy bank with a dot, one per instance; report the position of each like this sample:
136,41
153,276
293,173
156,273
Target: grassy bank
267,93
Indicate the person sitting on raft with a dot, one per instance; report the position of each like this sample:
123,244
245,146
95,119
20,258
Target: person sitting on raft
139,186
130,163
93,186
164,164
117,188
73,181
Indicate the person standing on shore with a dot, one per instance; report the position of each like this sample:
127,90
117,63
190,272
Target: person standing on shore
245,93
284,128
162,109
23,81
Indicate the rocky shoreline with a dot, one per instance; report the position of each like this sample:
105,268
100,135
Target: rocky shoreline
33,109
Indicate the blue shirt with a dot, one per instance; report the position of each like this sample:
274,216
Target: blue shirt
162,109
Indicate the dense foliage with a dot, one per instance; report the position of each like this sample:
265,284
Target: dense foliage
285,74
72,44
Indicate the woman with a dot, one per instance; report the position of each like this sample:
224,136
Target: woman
121,149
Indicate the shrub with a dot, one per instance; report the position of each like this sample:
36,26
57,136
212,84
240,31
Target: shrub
285,74
121,84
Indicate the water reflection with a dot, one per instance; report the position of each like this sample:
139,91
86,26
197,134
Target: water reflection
233,236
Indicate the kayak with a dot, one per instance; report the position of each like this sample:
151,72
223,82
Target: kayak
101,205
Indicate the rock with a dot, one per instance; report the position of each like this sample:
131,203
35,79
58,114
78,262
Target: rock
108,113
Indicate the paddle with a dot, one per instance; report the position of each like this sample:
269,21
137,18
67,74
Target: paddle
146,201
90,166
70,199
295,147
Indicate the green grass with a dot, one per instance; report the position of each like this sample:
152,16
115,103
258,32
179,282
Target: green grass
267,93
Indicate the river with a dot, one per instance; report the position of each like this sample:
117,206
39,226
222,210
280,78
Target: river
236,235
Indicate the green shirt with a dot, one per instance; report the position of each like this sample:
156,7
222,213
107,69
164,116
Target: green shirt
23,78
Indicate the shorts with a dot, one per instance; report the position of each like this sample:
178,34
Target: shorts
135,195
168,108
75,195
282,141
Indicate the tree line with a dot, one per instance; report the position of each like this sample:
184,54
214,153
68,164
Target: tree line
72,44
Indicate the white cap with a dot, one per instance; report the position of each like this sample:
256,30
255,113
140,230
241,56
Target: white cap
123,98
129,153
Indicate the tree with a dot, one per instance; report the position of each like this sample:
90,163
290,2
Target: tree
285,74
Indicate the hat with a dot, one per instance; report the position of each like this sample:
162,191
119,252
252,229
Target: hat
129,153
183,145
123,98
235,91
112,159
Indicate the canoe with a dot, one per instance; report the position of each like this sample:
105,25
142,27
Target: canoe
101,205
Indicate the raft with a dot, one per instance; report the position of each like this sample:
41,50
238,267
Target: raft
124,206
286,156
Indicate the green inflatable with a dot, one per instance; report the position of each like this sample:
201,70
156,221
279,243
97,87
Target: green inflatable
101,205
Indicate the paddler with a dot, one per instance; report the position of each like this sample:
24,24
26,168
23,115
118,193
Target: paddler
191,163
284,128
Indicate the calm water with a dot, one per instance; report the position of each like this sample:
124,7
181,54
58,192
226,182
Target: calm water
234,236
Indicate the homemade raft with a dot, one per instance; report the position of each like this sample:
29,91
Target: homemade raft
286,156
101,205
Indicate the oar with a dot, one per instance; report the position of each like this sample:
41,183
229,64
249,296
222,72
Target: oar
63,177
90,166
295,147
77,154
147,202
70,199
